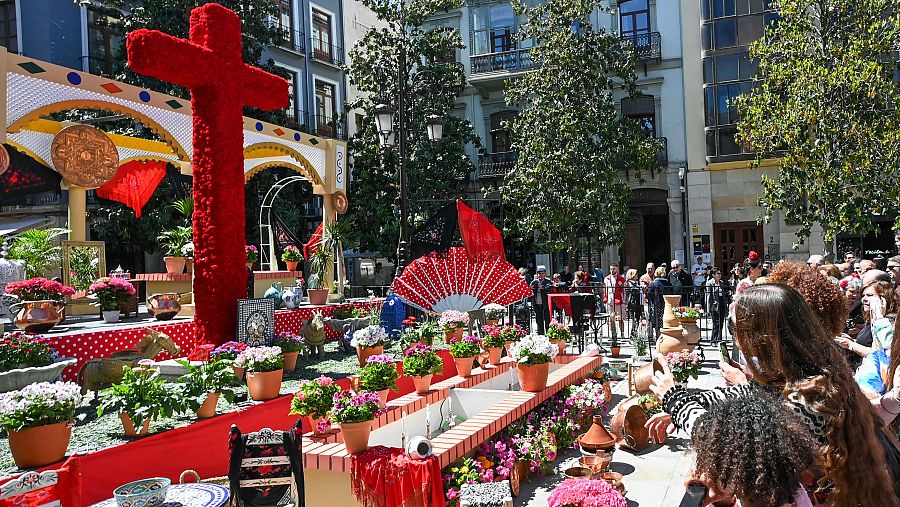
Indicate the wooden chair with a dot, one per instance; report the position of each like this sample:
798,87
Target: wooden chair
266,467
31,489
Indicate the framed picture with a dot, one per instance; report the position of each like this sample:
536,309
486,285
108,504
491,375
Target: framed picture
82,263
256,321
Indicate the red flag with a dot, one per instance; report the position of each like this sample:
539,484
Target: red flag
313,244
479,235
134,183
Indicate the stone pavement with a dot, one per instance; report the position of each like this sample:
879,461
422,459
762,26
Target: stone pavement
655,476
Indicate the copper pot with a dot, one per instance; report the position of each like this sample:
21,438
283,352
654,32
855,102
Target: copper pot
37,316
628,425
643,375
163,306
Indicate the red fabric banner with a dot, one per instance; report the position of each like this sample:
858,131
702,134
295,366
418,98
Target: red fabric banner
134,183
313,244
479,235
385,477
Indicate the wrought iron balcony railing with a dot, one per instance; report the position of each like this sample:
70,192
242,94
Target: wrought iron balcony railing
327,126
328,53
519,59
496,165
292,40
662,157
646,46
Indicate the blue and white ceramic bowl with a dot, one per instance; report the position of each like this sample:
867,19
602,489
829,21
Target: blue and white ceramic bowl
143,493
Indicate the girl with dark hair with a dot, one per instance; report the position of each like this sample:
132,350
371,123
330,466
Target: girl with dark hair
791,355
752,450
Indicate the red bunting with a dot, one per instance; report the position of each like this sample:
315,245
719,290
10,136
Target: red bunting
313,244
134,183
479,235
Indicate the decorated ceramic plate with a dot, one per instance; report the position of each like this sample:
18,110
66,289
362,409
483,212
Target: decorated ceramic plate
187,495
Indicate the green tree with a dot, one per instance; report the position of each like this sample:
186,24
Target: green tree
572,142
824,104
436,172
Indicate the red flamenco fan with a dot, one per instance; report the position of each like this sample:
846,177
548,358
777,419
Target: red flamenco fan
454,282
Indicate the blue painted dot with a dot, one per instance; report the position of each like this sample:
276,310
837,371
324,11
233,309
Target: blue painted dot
144,95
259,126
297,137
74,78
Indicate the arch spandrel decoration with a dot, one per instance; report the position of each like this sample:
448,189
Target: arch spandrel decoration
266,152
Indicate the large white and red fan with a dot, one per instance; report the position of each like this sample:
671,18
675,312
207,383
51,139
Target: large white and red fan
455,282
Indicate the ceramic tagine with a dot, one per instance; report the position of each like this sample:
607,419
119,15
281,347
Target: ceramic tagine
597,438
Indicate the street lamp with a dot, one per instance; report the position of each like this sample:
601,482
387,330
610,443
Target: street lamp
384,124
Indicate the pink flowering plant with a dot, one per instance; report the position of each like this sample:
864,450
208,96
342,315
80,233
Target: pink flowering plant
684,365
586,396
379,373
558,331
291,254
512,333
252,253
315,398
493,337
228,351
112,293
420,360
452,319
260,359
39,404
468,346
289,342
687,312
38,289
580,493
351,407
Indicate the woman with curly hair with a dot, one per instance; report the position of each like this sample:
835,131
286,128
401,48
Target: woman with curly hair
753,450
792,355
824,298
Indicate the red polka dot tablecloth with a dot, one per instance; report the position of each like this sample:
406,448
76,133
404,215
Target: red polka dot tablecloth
97,344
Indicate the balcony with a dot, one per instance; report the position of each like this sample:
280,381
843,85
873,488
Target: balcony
496,165
510,61
292,40
646,46
326,126
662,158
328,53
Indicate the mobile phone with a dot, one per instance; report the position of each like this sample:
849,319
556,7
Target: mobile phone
726,356
694,496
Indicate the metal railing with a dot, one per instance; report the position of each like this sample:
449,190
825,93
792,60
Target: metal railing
646,45
292,40
496,165
519,59
327,126
328,53
662,157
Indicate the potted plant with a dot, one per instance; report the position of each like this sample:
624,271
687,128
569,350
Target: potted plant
684,365
354,413
614,348
27,359
203,384
141,396
314,399
420,363
41,303
173,241
640,339
229,351
559,334
291,345
493,342
423,332
112,295
581,493
454,323
464,352
252,255
187,251
39,419
316,290
265,370
291,257
511,333
493,313
533,355
38,250
379,375
368,341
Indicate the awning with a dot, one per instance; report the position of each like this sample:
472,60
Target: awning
11,227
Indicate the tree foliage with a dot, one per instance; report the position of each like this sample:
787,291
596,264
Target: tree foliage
825,106
436,172
571,140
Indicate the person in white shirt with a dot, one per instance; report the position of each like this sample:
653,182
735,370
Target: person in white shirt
698,271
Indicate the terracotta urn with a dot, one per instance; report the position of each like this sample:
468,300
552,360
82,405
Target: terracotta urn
464,366
643,375
691,332
356,436
264,385
533,379
130,430
423,384
494,355
289,361
208,408
669,318
40,445
597,438
363,353
672,339
628,425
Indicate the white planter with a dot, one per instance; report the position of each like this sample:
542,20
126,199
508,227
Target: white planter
14,380
110,316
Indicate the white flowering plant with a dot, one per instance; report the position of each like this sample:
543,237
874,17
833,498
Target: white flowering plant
494,311
533,349
188,250
369,336
260,359
39,404
452,319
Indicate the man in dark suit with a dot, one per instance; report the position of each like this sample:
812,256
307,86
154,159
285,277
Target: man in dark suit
541,287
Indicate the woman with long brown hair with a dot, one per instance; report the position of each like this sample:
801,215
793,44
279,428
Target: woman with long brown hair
791,354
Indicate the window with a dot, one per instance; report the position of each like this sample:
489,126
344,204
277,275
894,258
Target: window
291,77
501,139
642,109
634,18
326,105
321,36
8,31
103,41
286,22
495,28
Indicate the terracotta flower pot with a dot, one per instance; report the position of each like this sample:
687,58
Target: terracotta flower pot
290,361
494,354
464,366
174,265
208,408
314,424
363,353
39,446
383,394
455,334
188,265
423,384
562,346
492,322
506,346
643,375
264,385
291,265
249,265
615,351
533,379
130,430
356,436
239,372
317,296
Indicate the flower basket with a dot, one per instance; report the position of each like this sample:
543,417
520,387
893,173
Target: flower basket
18,378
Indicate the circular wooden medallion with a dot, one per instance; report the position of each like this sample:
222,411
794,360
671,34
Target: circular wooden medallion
340,202
4,159
85,156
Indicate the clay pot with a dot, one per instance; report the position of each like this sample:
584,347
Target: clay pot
289,361
356,436
615,351
672,339
607,392
314,423
518,474
130,430
163,306
464,366
597,462
317,296
363,353
208,408
454,335
691,332
533,379
239,372
494,354
643,375
492,322
264,385
37,316
597,437
669,318
174,265
507,345
383,394
189,265
423,384
39,446
291,265
579,472
562,347
249,265
628,425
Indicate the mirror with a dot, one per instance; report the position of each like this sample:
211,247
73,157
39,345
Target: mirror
82,263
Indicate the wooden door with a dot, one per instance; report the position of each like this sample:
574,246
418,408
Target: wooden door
734,241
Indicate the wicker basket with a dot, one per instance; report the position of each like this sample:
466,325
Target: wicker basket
191,474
